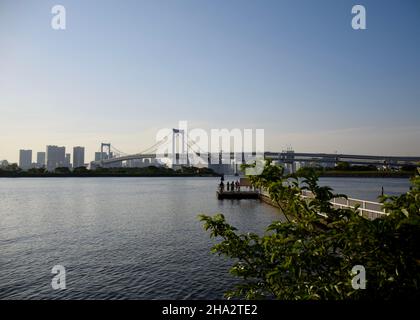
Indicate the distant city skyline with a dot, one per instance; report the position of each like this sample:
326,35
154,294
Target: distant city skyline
123,70
52,158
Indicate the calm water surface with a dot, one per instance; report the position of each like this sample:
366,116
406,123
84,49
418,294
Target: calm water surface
367,188
127,238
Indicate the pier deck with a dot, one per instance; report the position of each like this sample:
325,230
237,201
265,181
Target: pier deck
237,195
368,209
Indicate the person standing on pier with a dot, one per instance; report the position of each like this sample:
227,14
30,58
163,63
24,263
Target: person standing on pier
222,186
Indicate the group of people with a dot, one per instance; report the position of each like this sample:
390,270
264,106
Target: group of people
232,186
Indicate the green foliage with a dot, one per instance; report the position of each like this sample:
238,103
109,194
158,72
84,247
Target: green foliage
311,255
37,171
343,166
150,171
13,167
344,169
153,171
80,171
62,170
409,168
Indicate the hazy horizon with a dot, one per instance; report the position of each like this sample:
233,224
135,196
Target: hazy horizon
123,70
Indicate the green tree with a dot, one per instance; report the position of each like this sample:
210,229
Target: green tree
62,170
345,166
80,171
311,256
13,168
37,171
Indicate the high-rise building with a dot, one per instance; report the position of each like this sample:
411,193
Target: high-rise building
25,159
99,156
78,157
40,159
68,160
55,157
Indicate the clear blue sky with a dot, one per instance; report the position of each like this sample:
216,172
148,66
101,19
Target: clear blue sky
124,69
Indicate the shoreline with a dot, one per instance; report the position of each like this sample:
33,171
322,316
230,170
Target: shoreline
366,175
396,175
110,176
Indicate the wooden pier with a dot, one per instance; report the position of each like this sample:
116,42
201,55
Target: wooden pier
237,195
368,209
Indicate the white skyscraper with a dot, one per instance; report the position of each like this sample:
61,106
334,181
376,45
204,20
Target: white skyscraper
55,157
25,159
78,157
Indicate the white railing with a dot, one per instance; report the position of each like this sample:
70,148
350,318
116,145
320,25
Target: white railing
367,209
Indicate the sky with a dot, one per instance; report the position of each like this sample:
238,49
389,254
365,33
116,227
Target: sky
122,70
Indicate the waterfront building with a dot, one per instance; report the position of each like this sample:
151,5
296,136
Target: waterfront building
25,159
67,163
101,156
40,159
135,163
78,157
55,157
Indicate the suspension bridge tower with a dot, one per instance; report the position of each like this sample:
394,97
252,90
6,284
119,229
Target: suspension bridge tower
108,154
180,157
